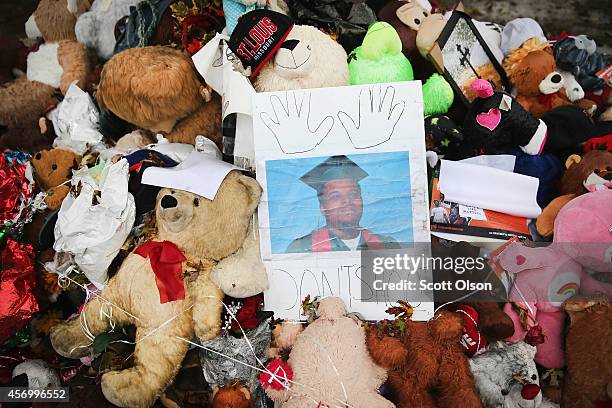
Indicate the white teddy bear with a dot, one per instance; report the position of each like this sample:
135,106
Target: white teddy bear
96,28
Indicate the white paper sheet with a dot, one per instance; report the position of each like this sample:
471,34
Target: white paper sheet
199,174
498,161
297,130
489,188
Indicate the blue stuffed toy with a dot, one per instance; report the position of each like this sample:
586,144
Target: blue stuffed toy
233,9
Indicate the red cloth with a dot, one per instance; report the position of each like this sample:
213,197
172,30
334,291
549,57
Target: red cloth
277,375
13,188
17,282
167,264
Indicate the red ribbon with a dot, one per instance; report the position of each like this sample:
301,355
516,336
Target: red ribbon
166,261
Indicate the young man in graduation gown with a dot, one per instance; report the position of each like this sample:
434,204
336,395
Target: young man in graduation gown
336,182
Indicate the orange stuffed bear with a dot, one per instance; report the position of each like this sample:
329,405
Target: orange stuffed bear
426,363
532,70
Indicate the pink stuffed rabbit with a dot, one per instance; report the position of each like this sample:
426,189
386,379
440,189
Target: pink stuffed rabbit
545,277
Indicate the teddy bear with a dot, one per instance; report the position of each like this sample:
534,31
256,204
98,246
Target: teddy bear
313,60
594,168
480,309
542,278
96,27
330,364
427,365
532,70
157,88
234,395
53,168
58,62
164,288
29,137
284,335
506,376
589,370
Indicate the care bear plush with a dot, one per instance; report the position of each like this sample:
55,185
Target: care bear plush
56,63
96,27
545,277
331,365
193,234
157,88
427,365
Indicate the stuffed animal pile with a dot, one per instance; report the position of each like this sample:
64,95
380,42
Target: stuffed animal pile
134,270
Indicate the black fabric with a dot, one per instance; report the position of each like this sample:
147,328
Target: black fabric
443,136
141,24
568,126
348,20
112,126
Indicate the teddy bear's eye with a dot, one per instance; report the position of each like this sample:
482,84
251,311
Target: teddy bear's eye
38,156
417,21
425,13
534,377
504,391
196,202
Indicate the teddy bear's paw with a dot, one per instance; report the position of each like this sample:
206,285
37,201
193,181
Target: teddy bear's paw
128,389
69,341
207,331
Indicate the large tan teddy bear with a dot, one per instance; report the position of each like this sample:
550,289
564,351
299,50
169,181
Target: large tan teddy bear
205,231
56,63
157,88
331,365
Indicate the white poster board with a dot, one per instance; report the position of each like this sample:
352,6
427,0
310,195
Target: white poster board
302,139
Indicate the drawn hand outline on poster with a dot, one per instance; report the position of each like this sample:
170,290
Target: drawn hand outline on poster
387,183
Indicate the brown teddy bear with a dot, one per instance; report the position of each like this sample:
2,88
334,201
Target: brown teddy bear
532,70
30,137
53,168
193,234
595,167
427,365
587,351
157,88
235,395
56,63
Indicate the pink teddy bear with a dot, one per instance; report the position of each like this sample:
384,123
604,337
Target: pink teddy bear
545,277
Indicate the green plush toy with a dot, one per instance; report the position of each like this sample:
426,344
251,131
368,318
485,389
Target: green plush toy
437,95
379,58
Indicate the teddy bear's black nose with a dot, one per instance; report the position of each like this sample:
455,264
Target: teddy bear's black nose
556,78
54,166
168,201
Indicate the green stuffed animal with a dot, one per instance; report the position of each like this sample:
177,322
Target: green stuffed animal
379,59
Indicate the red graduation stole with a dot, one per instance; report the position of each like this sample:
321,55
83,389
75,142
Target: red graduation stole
322,243
166,261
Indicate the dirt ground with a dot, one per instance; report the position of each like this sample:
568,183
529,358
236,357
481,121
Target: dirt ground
592,17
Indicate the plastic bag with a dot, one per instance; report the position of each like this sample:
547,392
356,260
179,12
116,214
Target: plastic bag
94,225
76,122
